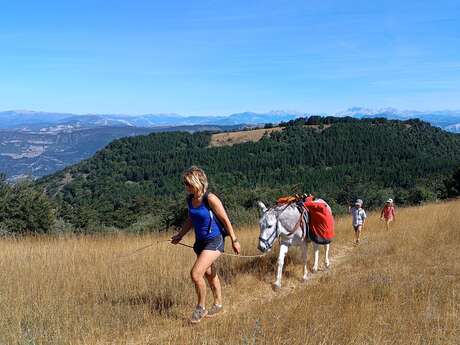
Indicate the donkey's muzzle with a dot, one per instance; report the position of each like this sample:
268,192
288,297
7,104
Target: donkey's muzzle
263,247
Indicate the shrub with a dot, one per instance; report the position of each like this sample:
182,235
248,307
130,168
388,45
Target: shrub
24,209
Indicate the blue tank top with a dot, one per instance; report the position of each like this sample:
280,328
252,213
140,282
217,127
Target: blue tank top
205,226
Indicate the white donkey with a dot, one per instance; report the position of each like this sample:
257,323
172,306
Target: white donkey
283,221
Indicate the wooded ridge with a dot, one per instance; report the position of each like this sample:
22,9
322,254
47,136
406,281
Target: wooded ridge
135,183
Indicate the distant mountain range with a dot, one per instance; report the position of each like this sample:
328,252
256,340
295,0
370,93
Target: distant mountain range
26,120
448,120
31,121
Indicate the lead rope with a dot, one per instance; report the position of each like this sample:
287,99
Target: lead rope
188,246
229,254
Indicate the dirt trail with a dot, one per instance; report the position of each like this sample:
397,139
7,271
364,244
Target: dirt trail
265,291
260,291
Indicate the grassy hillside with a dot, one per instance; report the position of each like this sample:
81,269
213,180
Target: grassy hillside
395,288
240,137
136,181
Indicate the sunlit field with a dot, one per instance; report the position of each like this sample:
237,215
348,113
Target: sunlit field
397,287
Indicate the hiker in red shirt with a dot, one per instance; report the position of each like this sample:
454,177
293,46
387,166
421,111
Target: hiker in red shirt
321,220
388,213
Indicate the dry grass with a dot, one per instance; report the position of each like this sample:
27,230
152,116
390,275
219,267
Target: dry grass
396,288
232,138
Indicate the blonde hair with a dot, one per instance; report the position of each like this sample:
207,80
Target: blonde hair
196,178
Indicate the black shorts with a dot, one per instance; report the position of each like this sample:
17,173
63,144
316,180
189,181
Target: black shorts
215,243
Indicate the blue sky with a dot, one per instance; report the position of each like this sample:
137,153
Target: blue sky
220,57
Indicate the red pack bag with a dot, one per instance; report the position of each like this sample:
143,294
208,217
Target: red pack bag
321,228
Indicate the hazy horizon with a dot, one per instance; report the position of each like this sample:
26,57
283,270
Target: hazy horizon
291,112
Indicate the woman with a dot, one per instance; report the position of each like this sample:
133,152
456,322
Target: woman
388,213
209,219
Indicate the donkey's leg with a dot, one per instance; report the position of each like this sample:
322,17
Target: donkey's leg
279,272
326,256
304,257
315,264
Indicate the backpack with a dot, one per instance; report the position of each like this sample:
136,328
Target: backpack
288,199
212,217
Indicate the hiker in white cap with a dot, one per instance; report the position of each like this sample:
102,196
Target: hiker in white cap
388,213
358,218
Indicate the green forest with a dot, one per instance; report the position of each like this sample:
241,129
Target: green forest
135,183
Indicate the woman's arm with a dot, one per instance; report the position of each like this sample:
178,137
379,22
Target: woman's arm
221,214
185,228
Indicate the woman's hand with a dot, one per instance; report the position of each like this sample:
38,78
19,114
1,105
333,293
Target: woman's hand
176,239
236,246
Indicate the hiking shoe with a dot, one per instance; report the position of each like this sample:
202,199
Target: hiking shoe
215,309
198,314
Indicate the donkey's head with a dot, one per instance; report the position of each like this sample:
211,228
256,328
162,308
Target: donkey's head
268,224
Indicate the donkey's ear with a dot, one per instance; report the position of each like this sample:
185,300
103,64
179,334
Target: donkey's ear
262,206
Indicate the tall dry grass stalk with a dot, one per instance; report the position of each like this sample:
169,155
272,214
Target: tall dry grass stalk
399,287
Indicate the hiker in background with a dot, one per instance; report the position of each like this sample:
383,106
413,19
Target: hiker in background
388,213
207,216
358,218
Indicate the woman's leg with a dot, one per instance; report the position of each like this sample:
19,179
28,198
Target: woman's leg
214,283
202,263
